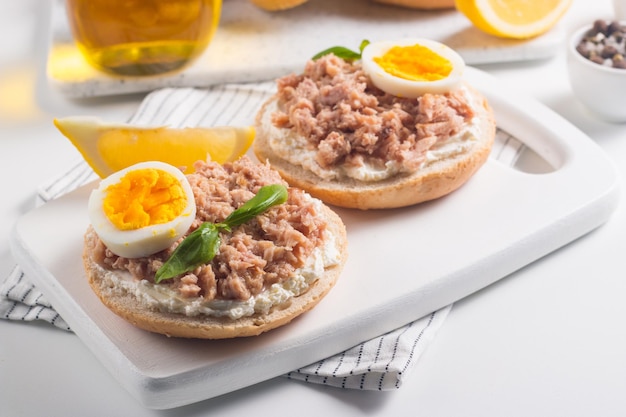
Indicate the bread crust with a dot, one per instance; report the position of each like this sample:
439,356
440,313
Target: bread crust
127,306
434,181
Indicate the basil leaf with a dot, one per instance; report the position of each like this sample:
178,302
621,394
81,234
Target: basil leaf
343,52
267,197
340,51
364,43
200,247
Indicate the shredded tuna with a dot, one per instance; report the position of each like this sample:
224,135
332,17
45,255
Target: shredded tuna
266,250
346,118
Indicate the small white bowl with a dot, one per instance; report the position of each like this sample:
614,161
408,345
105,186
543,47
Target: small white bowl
600,88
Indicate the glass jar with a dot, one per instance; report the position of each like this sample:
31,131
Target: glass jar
142,37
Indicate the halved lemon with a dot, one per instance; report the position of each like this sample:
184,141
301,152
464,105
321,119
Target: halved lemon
518,19
108,148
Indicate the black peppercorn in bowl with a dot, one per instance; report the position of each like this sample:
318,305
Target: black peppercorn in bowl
596,61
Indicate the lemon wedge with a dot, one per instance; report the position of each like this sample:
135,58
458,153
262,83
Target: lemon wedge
517,19
108,148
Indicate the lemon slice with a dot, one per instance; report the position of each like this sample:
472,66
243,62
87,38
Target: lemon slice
276,5
108,148
518,19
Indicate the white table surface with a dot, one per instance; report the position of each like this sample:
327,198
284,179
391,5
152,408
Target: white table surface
549,340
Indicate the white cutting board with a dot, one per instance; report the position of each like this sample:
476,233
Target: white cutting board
403,263
254,45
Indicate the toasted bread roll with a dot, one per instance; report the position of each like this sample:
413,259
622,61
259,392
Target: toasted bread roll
267,271
124,304
433,181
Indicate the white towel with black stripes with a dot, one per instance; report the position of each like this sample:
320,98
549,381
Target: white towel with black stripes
378,364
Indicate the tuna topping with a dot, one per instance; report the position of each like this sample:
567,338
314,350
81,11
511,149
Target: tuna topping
350,123
267,250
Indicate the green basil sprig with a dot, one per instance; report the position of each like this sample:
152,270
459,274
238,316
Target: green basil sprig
343,52
268,196
201,245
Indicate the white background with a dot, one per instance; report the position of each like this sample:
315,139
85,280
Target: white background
549,340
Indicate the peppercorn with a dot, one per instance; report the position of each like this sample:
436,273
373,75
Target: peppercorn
604,44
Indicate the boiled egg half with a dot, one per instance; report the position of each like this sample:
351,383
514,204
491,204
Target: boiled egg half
142,209
412,67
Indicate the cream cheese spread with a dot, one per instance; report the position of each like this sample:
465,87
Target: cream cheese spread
163,298
296,150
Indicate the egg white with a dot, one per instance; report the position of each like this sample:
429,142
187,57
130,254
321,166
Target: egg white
401,87
147,240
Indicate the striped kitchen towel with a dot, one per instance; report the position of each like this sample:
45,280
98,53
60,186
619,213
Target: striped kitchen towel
378,364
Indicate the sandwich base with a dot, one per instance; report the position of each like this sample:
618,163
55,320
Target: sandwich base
126,305
438,179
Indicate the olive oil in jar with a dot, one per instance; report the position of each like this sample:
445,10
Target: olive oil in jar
142,37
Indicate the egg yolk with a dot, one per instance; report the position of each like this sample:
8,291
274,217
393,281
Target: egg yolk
414,63
144,197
